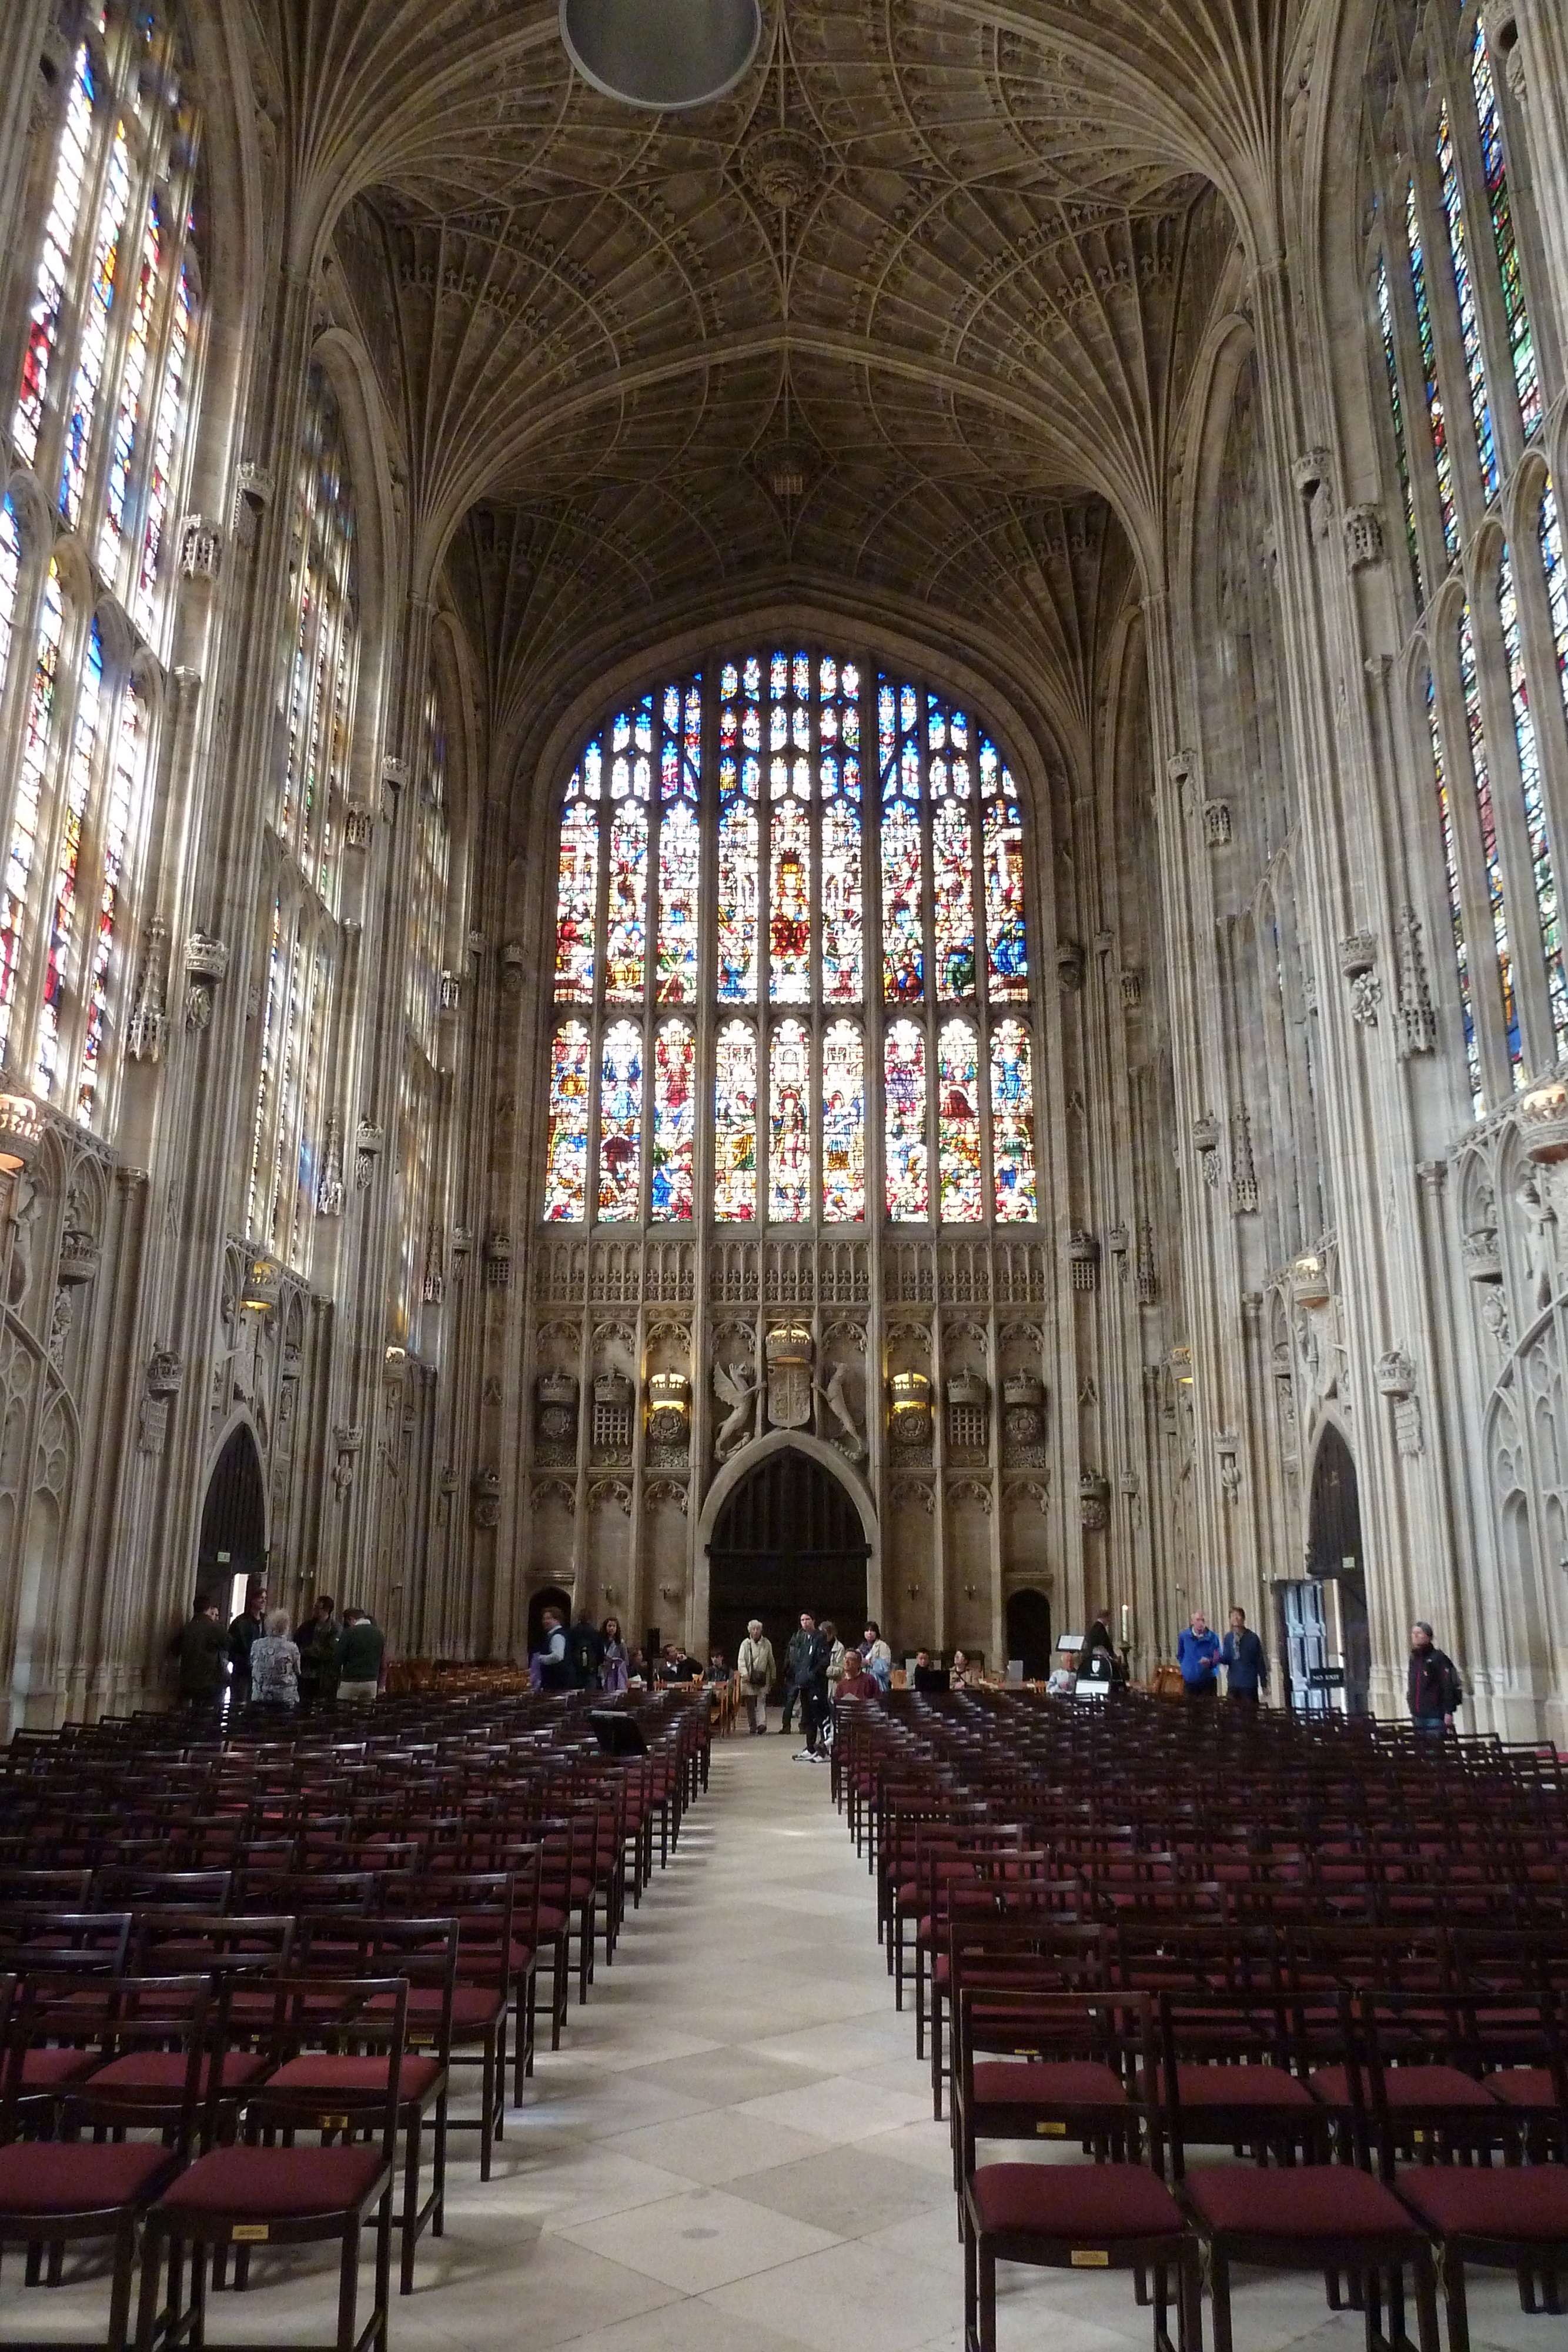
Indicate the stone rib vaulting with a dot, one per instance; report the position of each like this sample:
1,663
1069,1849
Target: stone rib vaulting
1174,398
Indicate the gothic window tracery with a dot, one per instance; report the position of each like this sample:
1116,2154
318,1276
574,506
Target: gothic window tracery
420,1093
853,933
100,419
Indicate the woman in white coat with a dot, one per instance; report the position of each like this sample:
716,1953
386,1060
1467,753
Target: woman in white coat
754,1663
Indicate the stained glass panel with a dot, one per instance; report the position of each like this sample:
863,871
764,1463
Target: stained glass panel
29,793
577,900
672,1178
1469,325
54,262
1535,809
132,378
1012,1124
10,571
843,1125
735,1125
951,783
165,437
1006,943
789,904
1397,412
903,928
620,1123
838,784
92,342
63,896
680,885
566,1182
790,1124
739,783
1522,343
1551,563
958,1123
1456,909
626,929
1482,774
1435,416
905,1152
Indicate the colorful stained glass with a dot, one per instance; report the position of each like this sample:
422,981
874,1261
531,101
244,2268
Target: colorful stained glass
1482,774
10,572
906,1153
735,1125
55,261
672,1186
1456,909
951,781
1012,1124
1397,412
902,875
788,1124
1469,324
132,377
626,924
566,1180
838,786
789,904
1494,164
63,896
843,1125
958,1123
1435,416
165,439
620,1122
124,795
1550,534
577,902
93,342
29,796
739,783
1541,859
680,886
1007,942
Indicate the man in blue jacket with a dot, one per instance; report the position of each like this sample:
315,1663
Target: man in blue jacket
1197,1656
1241,1655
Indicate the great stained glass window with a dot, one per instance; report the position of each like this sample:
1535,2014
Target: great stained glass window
1471,686
774,767
1435,416
55,262
566,1187
1396,415
1521,342
1469,325
1535,809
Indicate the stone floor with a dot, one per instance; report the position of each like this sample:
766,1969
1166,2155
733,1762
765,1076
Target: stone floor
735,2149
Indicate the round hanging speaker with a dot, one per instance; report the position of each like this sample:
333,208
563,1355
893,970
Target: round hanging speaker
662,54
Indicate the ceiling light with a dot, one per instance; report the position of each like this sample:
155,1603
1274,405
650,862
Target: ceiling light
664,54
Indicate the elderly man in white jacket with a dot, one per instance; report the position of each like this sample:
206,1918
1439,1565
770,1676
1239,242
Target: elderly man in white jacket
754,1663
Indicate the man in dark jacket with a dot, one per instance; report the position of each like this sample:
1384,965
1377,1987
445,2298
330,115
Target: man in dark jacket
245,1633
316,1641
203,1654
361,1658
797,1652
815,1703
1435,1690
584,1650
1241,1655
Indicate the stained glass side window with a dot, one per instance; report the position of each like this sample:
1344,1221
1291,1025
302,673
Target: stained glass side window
902,895
133,375
905,1152
53,263
735,1125
1456,909
672,1188
1469,324
620,1122
1482,773
839,782
680,842
739,785
790,830
788,1124
30,780
124,795
1534,808
951,782
577,885
1006,943
93,342
63,893
566,1180
274,1019
1494,164
1397,414
1437,418
10,571
1550,534
958,1123
1012,1124
171,399
843,1124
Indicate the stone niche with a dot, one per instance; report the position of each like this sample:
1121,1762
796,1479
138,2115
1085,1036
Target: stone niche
1022,1348
612,1401
557,1401
909,1397
667,1398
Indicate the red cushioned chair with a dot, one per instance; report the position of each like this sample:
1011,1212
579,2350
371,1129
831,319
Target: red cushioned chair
247,2196
1226,2075
55,2192
481,1903
1083,2216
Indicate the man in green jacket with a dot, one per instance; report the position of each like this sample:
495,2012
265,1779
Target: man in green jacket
361,1654
203,1654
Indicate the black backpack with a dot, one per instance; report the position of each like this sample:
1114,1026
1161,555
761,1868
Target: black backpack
584,1650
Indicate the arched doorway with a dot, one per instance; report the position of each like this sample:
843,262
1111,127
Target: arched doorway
1335,1559
1029,1631
548,1596
234,1520
789,1537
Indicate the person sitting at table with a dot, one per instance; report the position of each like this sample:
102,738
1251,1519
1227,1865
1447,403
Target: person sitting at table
928,1677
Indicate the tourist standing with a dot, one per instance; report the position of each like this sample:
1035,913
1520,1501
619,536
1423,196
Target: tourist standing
1435,1691
362,1660
204,1651
316,1641
1241,1655
754,1663
244,1632
614,1666
796,1657
1197,1656
274,1664
815,1703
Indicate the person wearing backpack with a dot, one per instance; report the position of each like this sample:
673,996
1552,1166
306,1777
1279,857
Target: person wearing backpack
585,1652
1435,1690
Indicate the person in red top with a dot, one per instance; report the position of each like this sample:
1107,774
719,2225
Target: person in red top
855,1682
